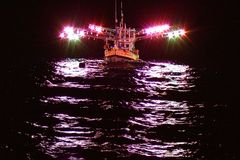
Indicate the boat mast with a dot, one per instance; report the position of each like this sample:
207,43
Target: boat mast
121,15
116,26
116,19
124,37
122,29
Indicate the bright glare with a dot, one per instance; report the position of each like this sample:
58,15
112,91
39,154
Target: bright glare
62,35
157,29
99,29
73,37
182,32
176,34
170,35
81,33
68,30
95,28
92,27
72,33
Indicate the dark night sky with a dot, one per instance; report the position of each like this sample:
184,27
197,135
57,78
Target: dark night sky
32,27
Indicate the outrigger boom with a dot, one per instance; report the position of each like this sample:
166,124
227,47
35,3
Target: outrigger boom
120,41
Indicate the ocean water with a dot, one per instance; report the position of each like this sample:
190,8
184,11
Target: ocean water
55,109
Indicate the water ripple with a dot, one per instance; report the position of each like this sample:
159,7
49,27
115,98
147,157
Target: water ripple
135,113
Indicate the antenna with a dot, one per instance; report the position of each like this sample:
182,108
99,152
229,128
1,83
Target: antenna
116,19
121,9
121,13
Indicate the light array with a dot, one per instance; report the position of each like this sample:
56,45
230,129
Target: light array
176,34
72,33
156,29
94,28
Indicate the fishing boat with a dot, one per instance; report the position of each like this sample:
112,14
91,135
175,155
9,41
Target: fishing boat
120,41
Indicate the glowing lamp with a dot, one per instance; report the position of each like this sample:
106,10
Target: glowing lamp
182,32
170,35
98,29
92,27
69,30
157,29
176,34
62,35
81,33
95,28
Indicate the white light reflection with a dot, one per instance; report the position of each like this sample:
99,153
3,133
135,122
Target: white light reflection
82,132
173,150
70,68
161,113
63,99
68,134
165,76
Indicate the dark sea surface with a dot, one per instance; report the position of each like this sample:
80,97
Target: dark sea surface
53,109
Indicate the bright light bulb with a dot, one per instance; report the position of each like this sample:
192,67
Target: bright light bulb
182,32
62,35
92,27
170,35
81,34
69,30
98,29
157,29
